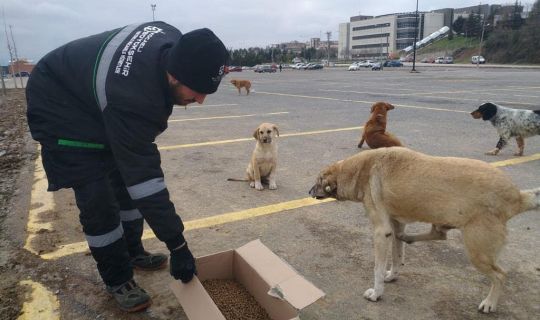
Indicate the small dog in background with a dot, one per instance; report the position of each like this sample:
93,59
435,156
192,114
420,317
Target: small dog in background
374,133
510,123
262,166
241,83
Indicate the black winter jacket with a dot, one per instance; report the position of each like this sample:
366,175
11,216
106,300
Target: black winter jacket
109,93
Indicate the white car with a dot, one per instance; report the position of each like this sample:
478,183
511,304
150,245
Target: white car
354,67
366,63
478,60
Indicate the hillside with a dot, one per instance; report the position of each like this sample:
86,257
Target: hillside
460,48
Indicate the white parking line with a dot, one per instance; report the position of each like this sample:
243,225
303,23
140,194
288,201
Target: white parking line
228,117
362,101
206,105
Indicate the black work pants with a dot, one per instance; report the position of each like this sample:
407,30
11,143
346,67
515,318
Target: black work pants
112,225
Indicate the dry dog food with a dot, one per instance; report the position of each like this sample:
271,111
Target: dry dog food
234,301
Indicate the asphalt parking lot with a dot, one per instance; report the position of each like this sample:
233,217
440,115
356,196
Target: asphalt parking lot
319,114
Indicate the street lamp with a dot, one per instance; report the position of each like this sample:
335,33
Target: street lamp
415,35
153,6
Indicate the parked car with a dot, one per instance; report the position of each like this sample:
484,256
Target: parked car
439,60
428,60
354,67
478,60
235,69
376,66
264,68
314,66
366,63
392,63
22,74
448,60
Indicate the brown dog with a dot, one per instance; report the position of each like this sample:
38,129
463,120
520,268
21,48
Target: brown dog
374,133
399,186
262,166
241,83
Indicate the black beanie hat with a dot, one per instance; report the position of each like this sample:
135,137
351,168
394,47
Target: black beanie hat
198,60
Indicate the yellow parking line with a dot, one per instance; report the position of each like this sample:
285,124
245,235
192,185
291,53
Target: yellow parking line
209,143
230,217
228,117
41,304
203,223
514,161
41,202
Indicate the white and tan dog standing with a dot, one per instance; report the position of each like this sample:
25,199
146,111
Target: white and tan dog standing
398,186
263,163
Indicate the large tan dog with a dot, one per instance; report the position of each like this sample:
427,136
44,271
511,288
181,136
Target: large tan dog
374,133
241,83
263,163
398,186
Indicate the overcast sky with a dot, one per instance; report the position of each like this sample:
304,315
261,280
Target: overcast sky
40,26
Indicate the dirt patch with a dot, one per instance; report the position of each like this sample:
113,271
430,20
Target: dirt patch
13,139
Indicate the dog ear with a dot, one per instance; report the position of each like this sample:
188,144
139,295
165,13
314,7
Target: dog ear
373,107
276,130
389,107
256,134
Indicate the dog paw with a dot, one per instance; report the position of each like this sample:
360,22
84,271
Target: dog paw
492,152
371,295
390,276
258,186
252,184
487,306
272,186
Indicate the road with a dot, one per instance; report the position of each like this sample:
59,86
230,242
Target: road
319,114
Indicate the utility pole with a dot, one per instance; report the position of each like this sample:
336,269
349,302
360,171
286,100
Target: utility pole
415,38
153,6
328,35
16,56
480,46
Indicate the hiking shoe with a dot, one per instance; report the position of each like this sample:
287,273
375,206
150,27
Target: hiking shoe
147,261
130,297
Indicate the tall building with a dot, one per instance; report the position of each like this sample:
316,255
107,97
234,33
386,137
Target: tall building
385,35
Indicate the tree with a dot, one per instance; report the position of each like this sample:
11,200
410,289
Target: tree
459,25
473,25
516,21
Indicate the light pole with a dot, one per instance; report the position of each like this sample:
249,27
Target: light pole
415,35
153,6
481,40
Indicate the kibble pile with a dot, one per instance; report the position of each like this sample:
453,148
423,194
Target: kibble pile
234,301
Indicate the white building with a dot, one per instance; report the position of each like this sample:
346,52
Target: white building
381,36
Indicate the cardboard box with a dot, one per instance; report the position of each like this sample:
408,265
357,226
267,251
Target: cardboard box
276,286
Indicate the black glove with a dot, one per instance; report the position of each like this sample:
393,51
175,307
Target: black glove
182,265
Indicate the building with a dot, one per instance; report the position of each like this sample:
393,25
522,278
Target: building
293,46
21,65
386,35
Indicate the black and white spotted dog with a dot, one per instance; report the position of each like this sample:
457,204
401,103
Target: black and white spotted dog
510,123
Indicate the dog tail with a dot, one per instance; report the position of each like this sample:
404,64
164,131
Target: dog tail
530,199
234,179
